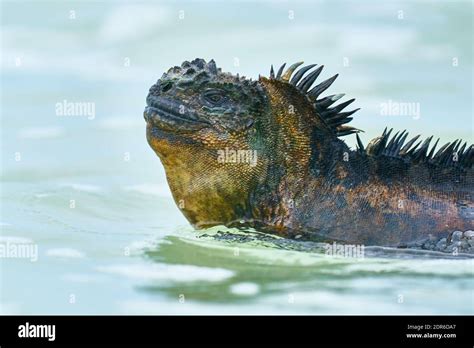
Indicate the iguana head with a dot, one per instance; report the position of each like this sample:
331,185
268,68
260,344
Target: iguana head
198,97
197,119
223,138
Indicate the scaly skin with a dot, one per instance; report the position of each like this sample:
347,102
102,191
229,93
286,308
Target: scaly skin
306,182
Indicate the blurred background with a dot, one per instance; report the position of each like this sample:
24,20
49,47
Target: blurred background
86,189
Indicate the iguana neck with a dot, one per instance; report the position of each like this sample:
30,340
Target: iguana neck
298,144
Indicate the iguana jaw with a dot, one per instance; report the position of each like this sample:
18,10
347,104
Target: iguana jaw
206,191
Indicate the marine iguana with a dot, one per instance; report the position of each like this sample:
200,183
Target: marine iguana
306,182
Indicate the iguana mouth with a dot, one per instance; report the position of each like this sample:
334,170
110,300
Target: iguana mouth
169,115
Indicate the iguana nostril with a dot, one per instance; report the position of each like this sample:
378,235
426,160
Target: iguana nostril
166,87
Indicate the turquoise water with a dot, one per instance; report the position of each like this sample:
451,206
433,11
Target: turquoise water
88,192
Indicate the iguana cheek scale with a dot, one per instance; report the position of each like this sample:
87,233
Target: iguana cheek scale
305,181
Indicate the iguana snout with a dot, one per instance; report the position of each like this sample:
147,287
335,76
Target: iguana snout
171,115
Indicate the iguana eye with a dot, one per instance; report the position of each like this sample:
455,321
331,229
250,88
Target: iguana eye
214,97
